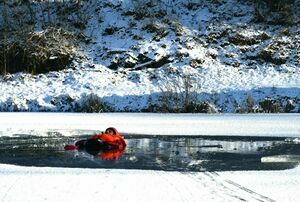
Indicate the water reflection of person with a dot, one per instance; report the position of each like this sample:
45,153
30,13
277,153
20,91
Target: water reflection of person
112,154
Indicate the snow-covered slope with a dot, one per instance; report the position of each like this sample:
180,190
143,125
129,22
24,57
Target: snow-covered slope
136,51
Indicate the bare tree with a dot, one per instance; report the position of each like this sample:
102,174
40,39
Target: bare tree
4,56
275,11
28,4
6,27
179,94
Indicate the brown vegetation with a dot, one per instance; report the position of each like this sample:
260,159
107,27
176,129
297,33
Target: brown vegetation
36,52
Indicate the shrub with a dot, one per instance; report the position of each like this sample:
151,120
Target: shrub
275,11
158,30
110,30
177,28
152,27
92,104
277,52
63,102
289,107
249,106
250,102
269,105
33,52
202,107
147,8
179,95
176,93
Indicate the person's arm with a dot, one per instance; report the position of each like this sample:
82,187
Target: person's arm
96,136
123,141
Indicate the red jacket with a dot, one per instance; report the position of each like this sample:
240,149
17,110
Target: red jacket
114,140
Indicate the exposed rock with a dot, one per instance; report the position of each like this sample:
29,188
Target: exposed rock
152,27
122,60
240,39
161,33
268,56
196,62
159,62
110,30
125,59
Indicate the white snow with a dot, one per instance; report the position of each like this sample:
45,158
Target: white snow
284,125
65,184
281,159
226,79
278,185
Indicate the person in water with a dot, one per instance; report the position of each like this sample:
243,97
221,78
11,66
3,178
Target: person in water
107,145
111,137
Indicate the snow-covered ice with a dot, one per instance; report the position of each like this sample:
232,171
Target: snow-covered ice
278,185
64,184
284,125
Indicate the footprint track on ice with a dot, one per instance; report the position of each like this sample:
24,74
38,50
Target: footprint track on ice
10,188
173,181
235,190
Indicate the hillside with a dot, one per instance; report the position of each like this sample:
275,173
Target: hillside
150,55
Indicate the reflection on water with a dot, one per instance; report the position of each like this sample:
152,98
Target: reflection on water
157,153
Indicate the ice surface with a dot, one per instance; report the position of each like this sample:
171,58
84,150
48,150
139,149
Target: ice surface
65,184
279,185
51,184
284,125
62,184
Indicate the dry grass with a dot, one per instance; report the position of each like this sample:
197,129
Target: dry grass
36,52
93,104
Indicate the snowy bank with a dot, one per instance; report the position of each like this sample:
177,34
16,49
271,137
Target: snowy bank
130,51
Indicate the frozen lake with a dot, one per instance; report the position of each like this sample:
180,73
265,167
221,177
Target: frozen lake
271,125
169,142
189,156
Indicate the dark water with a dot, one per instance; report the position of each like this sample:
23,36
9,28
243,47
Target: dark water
171,153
